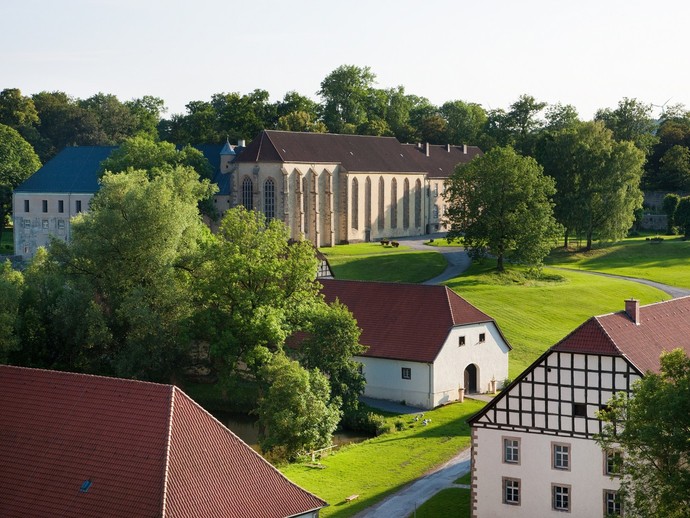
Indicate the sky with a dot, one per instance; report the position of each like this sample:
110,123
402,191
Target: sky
589,53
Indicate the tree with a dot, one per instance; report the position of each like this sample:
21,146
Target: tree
518,126
131,255
147,112
114,119
253,288
597,180
295,414
501,204
17,111
682,215
652,427
300,121
631,121
11,288
559,117
18,161
345,92
332,340
669,206
465,122
675,167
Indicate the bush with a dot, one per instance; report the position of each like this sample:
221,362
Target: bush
366,422
399,425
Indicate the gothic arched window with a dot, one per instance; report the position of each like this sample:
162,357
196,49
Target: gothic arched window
270,199
248,193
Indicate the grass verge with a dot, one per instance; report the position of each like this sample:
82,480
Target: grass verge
536,313
380,466
664,261
449,502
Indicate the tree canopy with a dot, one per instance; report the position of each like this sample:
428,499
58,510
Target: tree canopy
501,204
652,427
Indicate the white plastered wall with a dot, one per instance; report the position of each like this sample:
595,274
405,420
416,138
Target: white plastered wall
384,381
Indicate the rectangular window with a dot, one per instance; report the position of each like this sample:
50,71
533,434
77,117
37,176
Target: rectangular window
78,206
27,223
406,373
44,205
613,460
580,409
26,205
612,503
561,497
511,491
44,224
461,341
511,450
61,206
560,454
61,224
482,338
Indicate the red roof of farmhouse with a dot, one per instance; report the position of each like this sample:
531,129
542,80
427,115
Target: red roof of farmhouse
81,445
663,326
403,321
362,153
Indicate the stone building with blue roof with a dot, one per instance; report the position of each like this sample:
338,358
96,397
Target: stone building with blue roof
44,204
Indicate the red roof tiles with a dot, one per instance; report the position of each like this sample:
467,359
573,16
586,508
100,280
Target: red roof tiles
146,449
663,326
403,321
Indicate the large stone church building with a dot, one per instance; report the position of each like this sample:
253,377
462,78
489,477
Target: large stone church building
337,189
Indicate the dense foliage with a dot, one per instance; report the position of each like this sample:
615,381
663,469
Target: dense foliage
652,427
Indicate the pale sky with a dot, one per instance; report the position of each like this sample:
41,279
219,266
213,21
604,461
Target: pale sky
589,53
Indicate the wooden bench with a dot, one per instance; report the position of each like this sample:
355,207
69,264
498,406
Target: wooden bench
351,498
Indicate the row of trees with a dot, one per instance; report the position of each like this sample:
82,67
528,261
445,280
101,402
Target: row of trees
143,283
349,102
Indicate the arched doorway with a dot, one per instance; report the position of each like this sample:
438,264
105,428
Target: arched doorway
471,379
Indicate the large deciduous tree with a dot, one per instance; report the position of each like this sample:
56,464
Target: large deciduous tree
345,92
631,120
652,427
11,288
501,204
18,161
597,180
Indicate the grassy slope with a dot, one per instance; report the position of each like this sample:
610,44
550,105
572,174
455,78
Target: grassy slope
666,262
534,316
451,502
380,466
374,262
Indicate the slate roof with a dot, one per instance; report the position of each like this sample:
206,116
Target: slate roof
663,326
72,170
353,152
146,449
442,160
403,321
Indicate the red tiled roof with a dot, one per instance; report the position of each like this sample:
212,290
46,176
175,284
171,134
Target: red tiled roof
403,321
147,449
663,326
353,152
442,160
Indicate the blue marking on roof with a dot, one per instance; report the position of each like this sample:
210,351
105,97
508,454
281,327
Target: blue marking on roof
85,486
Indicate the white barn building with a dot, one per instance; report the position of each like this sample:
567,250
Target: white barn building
426,344
533,447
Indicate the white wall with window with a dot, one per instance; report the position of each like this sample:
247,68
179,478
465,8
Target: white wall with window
549,482
397,380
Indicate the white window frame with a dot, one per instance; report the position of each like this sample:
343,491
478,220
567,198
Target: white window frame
511,490
560,456
561,497
612,504
406,373
510,451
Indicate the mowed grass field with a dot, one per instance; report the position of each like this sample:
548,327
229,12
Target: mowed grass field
667,261
382,465
535,314
375,262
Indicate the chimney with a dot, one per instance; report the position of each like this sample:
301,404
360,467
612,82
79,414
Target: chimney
632,308
448,147
426,148
464,149
241,143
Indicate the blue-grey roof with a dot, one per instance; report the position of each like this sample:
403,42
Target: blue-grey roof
72,170
222,180
227,149
212,153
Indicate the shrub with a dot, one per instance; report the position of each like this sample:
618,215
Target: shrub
367,422
399,425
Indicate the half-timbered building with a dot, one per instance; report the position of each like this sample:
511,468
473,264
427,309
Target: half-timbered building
533,447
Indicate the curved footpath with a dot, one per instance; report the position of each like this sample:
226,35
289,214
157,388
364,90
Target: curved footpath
404,502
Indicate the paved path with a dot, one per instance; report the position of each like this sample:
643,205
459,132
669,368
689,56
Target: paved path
458,260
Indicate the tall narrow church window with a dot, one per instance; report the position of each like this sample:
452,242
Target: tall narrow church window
367,204
418,204
382,206
270,199
355,203
247,193
394,203
406,204
305,203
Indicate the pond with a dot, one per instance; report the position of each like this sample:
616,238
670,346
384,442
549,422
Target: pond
246,428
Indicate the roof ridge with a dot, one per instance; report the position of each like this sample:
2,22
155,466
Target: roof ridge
80,374
268,136
168,440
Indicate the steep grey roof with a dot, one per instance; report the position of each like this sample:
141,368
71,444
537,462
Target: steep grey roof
441,160
72,170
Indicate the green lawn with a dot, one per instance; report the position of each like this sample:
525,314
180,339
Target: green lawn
667,261
453,502
443,242
534,315
465,479
375,468
374,262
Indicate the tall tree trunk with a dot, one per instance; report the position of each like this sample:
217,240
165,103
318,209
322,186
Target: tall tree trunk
565,239
499,263
589,241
